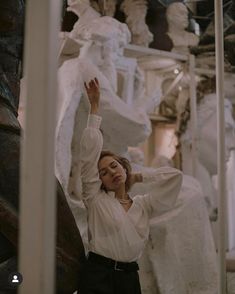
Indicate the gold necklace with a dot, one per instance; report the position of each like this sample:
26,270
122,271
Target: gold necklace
125,201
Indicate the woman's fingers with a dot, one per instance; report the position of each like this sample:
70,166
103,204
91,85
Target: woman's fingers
93,84
97,82
86,86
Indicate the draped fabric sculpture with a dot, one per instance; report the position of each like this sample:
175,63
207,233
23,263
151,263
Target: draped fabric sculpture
69,248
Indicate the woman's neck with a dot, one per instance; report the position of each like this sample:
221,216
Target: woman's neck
120,193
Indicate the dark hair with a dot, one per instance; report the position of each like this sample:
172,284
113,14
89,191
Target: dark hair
124,163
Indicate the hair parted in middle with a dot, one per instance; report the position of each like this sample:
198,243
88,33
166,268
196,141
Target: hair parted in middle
124,163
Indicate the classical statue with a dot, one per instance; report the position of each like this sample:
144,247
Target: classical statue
177,18
69,247
135,11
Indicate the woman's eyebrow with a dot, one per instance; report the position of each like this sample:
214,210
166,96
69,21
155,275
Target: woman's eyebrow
103,168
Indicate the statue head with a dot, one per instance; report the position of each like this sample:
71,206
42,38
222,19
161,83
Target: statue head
177,15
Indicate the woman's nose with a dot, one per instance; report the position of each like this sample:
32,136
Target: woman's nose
112,171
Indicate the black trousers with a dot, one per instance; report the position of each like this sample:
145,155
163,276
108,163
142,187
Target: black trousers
100,277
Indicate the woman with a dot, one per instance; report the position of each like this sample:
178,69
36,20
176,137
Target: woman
118,226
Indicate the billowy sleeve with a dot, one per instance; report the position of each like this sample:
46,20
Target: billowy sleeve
91,146
164,186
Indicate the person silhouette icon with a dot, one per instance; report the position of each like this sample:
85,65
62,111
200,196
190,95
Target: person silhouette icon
15,279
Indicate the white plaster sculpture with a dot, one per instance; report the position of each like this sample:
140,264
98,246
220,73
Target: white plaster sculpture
132,86
177,19
207,145
103,37
180,255
85,13
135,11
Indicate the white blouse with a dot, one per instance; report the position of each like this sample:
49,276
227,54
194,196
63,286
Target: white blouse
112,231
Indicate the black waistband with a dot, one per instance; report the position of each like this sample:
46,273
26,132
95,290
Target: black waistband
113,264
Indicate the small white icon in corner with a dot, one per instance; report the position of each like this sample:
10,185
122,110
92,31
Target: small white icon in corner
15,279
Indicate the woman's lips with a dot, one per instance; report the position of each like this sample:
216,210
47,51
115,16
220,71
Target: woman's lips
117,178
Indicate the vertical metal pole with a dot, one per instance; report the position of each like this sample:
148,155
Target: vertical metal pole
219,38
37,191
193,112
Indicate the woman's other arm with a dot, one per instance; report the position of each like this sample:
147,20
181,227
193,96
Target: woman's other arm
162,189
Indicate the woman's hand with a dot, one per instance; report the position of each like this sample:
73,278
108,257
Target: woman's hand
135,178
93,92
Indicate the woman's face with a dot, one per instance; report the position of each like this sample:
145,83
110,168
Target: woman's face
112,173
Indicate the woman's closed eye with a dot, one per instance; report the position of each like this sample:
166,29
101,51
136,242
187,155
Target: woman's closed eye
113,165
103,173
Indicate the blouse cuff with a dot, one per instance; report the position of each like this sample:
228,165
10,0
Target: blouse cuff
94,121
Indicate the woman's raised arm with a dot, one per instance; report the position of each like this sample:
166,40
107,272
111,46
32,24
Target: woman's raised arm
93,93
91,146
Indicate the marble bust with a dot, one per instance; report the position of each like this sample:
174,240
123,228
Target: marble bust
177,19
136,11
